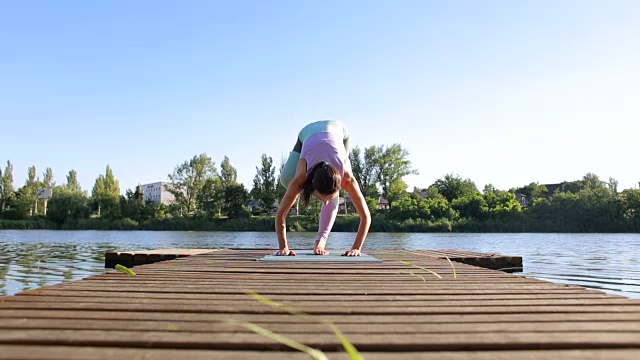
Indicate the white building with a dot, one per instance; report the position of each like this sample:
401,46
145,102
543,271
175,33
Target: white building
157,193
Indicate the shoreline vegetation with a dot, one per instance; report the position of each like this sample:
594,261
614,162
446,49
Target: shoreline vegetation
205,199
344,223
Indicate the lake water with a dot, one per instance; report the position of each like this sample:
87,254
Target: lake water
609,262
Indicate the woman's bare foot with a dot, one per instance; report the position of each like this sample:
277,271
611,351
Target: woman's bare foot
319,250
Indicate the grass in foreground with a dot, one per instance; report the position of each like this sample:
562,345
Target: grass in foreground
351,350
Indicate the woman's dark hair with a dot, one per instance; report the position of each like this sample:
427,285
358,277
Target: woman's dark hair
323,178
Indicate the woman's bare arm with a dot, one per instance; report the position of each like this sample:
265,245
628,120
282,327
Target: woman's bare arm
289,198
351,187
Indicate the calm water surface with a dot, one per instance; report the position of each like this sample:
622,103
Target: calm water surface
609,262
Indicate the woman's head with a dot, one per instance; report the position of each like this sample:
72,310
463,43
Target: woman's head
322,179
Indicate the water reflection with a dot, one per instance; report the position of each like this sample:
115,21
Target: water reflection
609,262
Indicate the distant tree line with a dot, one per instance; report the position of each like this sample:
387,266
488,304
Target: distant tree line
208,198
585,205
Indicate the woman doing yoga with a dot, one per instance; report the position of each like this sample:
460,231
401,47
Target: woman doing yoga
319,165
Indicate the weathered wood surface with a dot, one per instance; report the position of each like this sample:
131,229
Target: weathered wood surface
142,257
486,260
398,309
20,352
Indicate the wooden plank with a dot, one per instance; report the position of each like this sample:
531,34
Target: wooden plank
22,352
249,302
312,328
408,282
398,275
141,257
61,294
323,310
488,261
362,276
423,290
328,342
352,287
132,315
52,352
594,354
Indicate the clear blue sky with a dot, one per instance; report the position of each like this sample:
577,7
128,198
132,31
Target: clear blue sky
501,92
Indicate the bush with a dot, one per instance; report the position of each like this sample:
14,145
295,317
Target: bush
31,224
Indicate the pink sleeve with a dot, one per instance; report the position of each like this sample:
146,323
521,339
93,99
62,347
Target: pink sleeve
327,218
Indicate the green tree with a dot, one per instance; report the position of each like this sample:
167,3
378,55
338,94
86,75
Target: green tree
72,182
592,181
264,183
21,207
397,191
631,203
228,174
280,189
599,207
588,181
215,192
372,204
432,192
106,195
7,192
28,196
25,203
188,179
572,187
533,191
366,169
439,208
235,198
613,186
65,206
211,197
488,189
562,211
412,206
47,183
393,165
128,208
500,203
133,205
453,187
47,179
471,206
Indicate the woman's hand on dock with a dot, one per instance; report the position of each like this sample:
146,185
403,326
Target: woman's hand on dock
285,252
352,252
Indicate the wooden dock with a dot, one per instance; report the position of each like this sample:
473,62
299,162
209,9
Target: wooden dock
410,306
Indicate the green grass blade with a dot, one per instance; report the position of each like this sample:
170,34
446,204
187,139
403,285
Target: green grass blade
265,300
420,276
455,276
348,346
421,267
315,354
124,269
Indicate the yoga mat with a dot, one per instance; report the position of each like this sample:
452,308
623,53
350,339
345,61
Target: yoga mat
309,256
